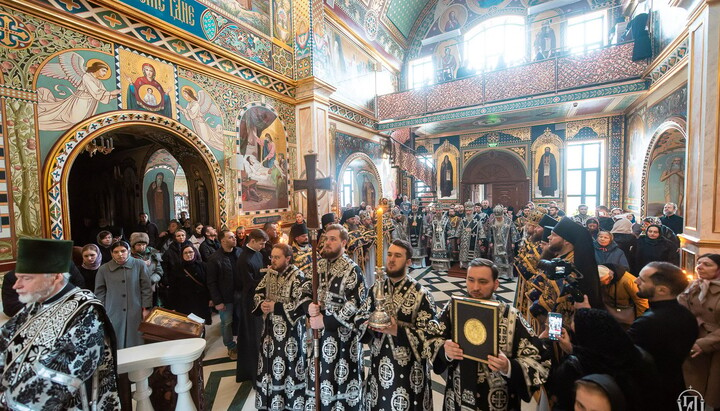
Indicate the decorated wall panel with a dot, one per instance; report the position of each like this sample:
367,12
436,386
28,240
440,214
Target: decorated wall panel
59,78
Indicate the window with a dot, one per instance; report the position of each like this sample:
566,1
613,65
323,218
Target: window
586,32
496,43
584,175
422,189
347,188
421,72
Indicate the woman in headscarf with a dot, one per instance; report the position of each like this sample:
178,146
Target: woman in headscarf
188,285
172,259
607,251
702,298
104,240
619,293
596,344
653,247
623,234
92,260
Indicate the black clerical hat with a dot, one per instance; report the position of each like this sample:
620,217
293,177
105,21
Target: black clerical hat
326,219
547,223
297,230
43,256
572,232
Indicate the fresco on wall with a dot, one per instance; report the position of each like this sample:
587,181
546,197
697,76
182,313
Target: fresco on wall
73,86
201,113
448,174
452,18
282,21
158,198
348,67
666,182
447,56
148,84
544,32
636,151
263,147
255,13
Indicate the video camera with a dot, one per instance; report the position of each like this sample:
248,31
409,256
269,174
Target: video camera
559,269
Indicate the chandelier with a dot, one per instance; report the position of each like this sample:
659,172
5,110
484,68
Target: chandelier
103,145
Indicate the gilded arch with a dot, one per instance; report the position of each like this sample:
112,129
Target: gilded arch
63,154
671,124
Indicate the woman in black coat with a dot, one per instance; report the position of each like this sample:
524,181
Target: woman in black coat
171,262
653,247
188,285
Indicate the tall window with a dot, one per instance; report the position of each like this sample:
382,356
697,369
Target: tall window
584,175
586,32
347,188
421,72
496,43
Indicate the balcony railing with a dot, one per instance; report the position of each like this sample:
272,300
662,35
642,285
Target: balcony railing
140,361
610,64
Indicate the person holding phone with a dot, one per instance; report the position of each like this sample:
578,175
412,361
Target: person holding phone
519,369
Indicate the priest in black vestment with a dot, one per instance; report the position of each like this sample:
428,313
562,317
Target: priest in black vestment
248,276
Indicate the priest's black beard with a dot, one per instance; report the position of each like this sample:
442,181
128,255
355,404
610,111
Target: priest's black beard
328,255
548,254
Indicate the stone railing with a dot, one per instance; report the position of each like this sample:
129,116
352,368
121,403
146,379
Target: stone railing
612,64
140,361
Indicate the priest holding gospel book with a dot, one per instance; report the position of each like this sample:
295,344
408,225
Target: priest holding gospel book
519,369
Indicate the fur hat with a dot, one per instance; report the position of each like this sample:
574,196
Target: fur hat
139,237
43,256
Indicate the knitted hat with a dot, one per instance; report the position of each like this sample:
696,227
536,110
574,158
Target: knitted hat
603,272
43,256
139,237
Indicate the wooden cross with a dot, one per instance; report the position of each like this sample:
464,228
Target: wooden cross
312,184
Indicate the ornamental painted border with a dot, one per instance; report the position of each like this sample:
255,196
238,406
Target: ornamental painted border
56,170
520,104
244,109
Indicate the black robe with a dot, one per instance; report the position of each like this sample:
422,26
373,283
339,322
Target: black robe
247,278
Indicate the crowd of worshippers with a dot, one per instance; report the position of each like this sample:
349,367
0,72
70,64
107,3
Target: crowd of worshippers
633,337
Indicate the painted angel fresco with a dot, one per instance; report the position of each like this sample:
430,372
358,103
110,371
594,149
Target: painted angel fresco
198,111
59,114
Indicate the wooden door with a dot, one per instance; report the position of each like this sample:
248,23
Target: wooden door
515,193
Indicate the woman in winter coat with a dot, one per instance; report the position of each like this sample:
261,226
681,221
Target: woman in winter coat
188,285
123,287
92,260
702,298
619,293
653,247
607,251
171,261
624,238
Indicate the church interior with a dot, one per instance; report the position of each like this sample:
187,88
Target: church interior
215,103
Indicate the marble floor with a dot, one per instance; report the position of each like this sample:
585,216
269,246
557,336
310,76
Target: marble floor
223,393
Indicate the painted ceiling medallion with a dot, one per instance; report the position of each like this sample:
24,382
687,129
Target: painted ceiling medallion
371,24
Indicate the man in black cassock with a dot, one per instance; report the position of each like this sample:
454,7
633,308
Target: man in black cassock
416,231
248,276
341,291
547,174
399,376
519,369
279,299
446,177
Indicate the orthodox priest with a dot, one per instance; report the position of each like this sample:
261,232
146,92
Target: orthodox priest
502,236
519,369
341,291
471,236
399,376
279,298
301,248
416,231
528,255
59,351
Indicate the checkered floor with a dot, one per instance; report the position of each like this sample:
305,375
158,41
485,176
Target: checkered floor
223,393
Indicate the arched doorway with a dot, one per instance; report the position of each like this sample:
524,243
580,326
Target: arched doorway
359,181
135,137
663,179
497,175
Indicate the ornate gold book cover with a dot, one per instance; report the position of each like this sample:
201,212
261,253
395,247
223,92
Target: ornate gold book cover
475,324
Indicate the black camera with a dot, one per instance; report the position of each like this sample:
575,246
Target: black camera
558,269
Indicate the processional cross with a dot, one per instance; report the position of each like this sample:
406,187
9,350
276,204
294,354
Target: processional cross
312,184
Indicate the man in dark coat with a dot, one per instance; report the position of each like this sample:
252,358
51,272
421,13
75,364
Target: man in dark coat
221,284
211,243
667,331
247,278
672,220
148,227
